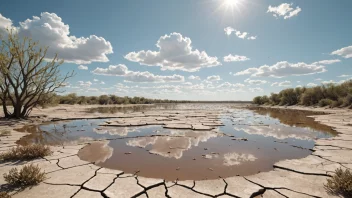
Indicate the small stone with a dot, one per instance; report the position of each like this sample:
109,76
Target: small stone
128,153
239,139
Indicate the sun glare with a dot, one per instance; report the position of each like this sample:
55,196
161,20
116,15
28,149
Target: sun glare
231,3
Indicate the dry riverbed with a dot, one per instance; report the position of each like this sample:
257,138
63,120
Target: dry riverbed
70,176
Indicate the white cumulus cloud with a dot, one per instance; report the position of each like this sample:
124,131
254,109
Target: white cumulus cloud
344,76
175,53
235,58
282,69
214,78
252,37
192,77
83,67
136,76
239,34
5,23
230,85
327,62
255,82
284,10
282,84
51,31
229,30
311,85
85,84
345,52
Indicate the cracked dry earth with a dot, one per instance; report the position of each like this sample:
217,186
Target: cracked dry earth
69,176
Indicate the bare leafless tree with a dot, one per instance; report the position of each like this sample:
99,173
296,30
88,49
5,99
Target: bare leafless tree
26,76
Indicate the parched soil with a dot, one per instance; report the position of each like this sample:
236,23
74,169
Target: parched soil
69,176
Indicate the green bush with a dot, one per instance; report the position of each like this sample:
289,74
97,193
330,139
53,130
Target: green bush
26,152
325,102
330,94
28,175
347,101
312,96
289,97
340,183
265,100
104,99
257,100
274,99
337,103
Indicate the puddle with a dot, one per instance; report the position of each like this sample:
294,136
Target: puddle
250,141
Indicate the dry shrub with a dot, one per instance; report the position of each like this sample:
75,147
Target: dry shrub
340,183
26,152
4,195
325,102
27,176
337,103
5,133
347,101
331,94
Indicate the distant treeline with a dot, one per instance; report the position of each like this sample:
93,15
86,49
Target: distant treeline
324,95
54,99
72,98
104,100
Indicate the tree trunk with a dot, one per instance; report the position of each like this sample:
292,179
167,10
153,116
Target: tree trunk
17,110
4,107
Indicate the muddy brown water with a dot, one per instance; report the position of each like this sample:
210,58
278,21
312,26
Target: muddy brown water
250,141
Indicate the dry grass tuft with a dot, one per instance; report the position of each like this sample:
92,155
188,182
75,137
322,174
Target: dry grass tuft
340,183
5,133
4,195
29,175
26,152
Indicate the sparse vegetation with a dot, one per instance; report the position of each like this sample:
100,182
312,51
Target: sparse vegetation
72,99
5,133
325,102
340,183
107,99
331,95
4,195
28,175
26,152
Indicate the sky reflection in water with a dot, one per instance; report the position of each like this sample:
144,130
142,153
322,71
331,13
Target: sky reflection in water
250,141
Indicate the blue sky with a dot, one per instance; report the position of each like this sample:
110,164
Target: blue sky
306,43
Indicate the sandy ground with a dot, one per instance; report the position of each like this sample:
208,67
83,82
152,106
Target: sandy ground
69,176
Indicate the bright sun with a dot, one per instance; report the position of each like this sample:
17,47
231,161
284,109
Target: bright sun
227,7
232,4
